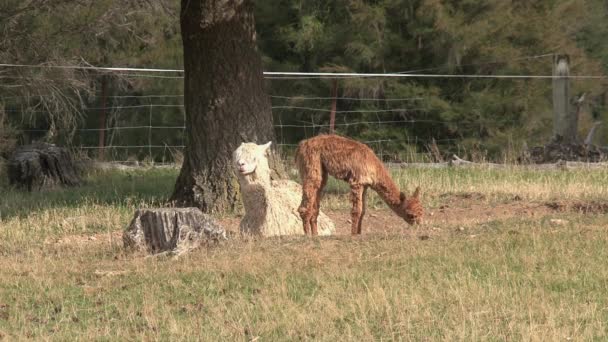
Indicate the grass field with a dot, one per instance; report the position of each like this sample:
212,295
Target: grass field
504,255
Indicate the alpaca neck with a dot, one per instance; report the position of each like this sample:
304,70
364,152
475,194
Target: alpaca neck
387,189
254,198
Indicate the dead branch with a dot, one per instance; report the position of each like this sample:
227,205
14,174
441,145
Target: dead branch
459,162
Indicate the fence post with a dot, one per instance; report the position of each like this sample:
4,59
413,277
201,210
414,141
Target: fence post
102,118
332,115
565,120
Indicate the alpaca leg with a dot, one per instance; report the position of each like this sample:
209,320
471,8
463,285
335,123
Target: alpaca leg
363,209
315,214
311,173
356,192
303,209
307,207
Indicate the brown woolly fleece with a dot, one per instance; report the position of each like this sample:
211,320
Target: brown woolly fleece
355,163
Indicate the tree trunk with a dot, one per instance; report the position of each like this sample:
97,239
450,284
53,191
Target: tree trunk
225,100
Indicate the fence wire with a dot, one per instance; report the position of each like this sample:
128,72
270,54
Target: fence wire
155,124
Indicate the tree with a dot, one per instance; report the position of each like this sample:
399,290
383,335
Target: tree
225,100
487,37
63,32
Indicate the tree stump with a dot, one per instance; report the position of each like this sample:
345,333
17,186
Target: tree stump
42,165
173,230
559,149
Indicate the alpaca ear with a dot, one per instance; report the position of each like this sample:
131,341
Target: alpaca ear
416,192
266,146
402,196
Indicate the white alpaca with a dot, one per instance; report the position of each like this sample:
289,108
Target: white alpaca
271,207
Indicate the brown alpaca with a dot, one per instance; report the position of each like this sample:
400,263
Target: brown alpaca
356,164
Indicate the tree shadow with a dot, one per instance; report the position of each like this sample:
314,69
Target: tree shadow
109,187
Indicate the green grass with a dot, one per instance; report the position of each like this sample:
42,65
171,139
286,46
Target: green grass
112,188
104,203
509,279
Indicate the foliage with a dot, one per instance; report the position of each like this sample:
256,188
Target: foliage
432,36
52,101
7,136
417,36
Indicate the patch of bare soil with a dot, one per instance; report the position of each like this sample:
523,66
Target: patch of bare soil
453,209
462,212
591,207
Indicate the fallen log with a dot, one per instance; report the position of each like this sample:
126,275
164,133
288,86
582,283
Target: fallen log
171,230
459,162
440,165
42,165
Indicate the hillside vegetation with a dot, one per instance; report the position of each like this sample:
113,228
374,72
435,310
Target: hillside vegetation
492,118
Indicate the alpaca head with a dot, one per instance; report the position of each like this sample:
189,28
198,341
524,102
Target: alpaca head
410,209
250,160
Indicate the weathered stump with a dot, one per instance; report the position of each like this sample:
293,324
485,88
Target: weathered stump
560,149
42,165
174,230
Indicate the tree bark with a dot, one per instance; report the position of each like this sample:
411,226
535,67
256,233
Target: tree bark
226,103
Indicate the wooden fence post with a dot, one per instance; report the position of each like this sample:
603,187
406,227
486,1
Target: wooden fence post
102,119
565,120
332,115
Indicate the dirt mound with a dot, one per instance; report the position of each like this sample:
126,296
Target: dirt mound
463,195
558,149
591,207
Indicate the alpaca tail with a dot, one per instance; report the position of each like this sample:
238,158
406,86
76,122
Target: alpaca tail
308,161
299,157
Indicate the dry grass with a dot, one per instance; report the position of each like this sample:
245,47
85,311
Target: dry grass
64,275
492,185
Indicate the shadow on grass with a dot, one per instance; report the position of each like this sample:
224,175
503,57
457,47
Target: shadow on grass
113,188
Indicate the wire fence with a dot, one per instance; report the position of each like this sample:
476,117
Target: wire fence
136,127
163,151
168,149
